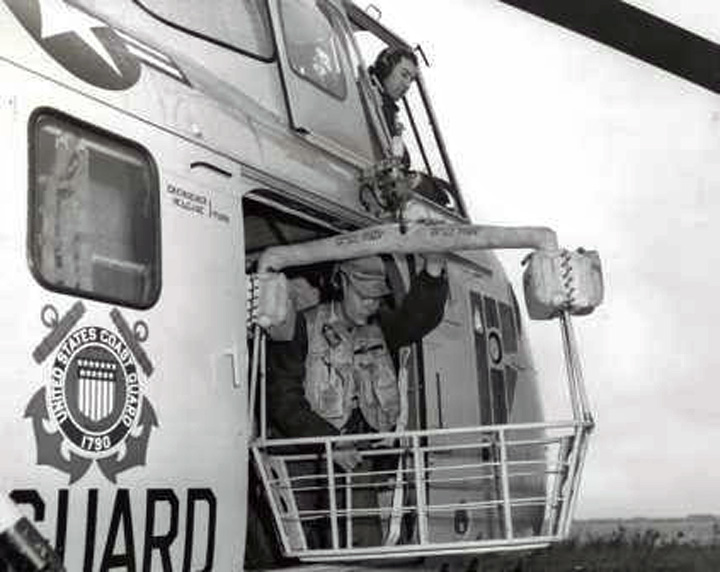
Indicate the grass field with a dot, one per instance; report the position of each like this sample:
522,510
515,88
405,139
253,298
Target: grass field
619,552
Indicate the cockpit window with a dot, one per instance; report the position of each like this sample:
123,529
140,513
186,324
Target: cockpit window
419,137
94,220
243,25
311,35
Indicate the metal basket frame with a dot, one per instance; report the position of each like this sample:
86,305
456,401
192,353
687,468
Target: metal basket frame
499,463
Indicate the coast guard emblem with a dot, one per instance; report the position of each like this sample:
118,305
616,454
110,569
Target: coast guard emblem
93,402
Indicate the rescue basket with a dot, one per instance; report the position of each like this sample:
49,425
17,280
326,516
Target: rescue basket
423,492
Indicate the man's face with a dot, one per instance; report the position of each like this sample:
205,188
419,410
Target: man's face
400,78
358,308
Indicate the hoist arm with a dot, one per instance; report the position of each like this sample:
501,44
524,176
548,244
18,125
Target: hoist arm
416,238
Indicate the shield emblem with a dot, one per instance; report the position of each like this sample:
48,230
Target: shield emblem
95,388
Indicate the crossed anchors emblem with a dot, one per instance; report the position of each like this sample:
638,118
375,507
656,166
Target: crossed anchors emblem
92,409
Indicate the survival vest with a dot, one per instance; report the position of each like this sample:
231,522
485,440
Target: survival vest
347,368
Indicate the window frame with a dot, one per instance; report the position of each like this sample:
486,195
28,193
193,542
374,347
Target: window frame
203,36
59,117
335,21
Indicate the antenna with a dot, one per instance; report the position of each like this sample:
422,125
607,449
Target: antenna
419,50
373,8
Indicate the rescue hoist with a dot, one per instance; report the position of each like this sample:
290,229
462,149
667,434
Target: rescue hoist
385,188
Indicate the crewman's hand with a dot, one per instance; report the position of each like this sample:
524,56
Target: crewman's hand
346,456
398,146
434,263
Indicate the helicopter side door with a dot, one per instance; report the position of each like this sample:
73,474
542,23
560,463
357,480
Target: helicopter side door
123,412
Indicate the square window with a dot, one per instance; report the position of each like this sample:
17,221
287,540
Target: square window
94,228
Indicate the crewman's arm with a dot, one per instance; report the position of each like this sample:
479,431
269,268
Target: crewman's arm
288,410
422,308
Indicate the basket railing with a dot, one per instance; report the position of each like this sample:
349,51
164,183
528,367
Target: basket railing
441,491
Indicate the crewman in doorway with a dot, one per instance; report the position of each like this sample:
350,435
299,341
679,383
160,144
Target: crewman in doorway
336,375
394,71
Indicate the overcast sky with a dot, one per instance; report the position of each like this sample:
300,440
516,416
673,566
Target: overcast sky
547,127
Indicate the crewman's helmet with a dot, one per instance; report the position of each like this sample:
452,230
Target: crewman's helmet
367,275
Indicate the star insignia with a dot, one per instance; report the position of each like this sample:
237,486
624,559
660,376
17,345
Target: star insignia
58,18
